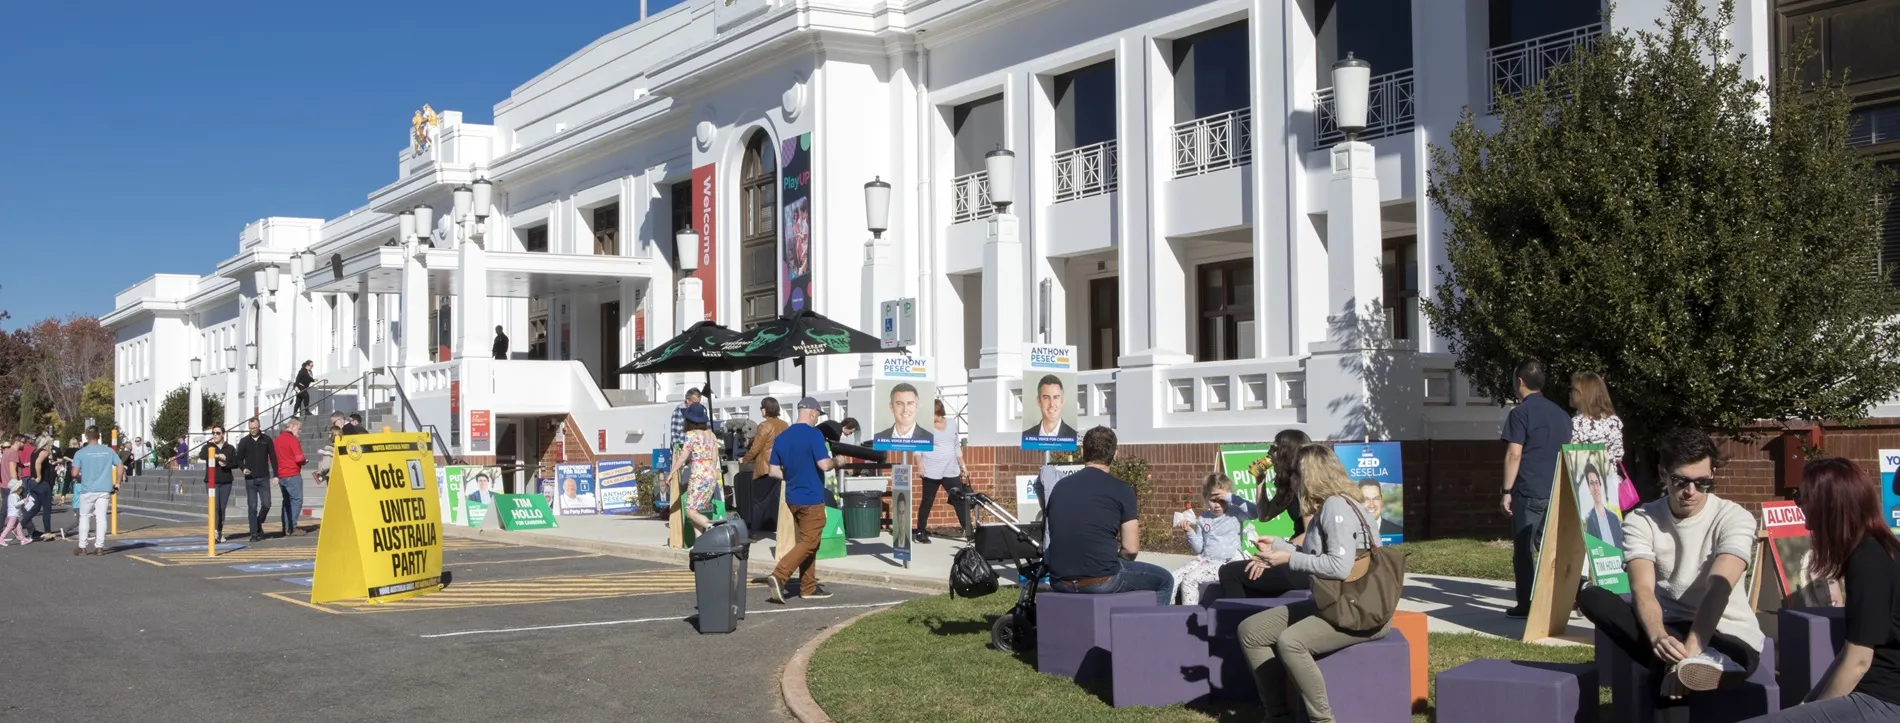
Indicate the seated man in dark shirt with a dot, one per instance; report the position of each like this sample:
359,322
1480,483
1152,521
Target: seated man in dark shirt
1093,532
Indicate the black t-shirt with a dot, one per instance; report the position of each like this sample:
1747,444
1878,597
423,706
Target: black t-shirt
1543,428
1873,616
1086,511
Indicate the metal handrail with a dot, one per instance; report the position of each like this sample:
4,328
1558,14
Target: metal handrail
1222,140
1085,171
970,197
407,411
1520,66
1389,110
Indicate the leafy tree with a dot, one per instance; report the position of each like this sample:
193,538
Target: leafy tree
95,403
174,415
1706,241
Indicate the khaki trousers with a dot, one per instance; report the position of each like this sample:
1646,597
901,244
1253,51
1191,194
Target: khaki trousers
1280,644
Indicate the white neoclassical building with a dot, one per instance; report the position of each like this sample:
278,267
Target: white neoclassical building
1181,212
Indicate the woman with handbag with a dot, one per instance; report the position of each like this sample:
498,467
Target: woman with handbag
1354,593
1596,423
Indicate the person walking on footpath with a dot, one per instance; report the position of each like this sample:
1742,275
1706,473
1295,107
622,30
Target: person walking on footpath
290,462
1689,617
758,459
943,467
95,464
225,459
305,380
1094,534
19,505
257,456
1851,542
40,488
1596,423
50,480
801,458
1535,431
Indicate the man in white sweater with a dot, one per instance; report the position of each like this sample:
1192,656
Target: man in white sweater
1686,553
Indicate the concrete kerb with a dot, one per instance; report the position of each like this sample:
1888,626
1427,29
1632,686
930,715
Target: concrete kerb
795,684
679,557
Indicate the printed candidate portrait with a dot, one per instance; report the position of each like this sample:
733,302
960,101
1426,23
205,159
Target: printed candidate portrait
481,484
902,415
1050,405
1596,507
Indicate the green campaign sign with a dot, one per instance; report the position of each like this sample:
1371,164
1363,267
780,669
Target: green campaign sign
524,512
1251,469
1592,481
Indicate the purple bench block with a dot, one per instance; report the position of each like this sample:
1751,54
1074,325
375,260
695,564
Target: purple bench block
1072,631
1810,640
1373,681
1632,692
1232,679
1506,691
1165,658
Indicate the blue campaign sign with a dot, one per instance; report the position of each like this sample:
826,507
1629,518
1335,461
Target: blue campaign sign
1376,467
662,460
287,566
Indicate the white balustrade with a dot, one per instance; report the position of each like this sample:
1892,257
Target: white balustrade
1389,110
1520,66
1086,171
1209,144
971,196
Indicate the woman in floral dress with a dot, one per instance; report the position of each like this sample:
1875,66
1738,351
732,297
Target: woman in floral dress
698,464
1596,423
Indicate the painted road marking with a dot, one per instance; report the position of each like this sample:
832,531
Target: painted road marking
526,591
154,542
287,566
222,547
304,581
284,554
537,628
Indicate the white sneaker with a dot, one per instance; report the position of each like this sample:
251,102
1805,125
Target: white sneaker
1704,670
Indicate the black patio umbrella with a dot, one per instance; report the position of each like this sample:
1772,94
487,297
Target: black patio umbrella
701,348
799,335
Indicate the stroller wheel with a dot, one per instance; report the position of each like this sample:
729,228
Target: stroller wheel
1003,634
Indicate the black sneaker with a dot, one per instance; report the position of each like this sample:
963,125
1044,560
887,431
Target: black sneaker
817,593
1518,613
920,536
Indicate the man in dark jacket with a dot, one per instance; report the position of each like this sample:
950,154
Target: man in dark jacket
501,344
226,459
258,458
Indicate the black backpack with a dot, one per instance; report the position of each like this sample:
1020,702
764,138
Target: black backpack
970,574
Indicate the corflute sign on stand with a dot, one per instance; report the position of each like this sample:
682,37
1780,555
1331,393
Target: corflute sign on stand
1375,467
382,534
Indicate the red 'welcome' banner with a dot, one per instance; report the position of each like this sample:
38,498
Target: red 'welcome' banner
704,195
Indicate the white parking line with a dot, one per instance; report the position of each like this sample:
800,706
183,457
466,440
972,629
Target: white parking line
650,620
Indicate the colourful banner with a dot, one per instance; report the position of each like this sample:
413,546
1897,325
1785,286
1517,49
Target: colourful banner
1049,398
1375,466
1251,469
1586,468
904,393
618,483
705,182
1890,486
574,490
795,268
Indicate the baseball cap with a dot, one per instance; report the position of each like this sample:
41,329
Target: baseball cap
810,403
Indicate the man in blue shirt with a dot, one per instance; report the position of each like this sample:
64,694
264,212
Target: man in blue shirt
800,457
97,466
1536,430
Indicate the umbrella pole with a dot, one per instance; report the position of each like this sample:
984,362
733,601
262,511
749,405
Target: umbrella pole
803,362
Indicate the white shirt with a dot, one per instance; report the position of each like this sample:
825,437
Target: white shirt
1683,550
941,461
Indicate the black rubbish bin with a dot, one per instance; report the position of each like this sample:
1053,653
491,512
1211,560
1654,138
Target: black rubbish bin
863,515
718,560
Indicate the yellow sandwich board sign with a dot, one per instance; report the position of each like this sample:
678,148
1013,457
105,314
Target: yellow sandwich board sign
381,537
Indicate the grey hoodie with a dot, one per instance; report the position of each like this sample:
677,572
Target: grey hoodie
1333,539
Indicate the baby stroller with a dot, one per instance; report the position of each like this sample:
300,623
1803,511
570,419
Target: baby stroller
1011,540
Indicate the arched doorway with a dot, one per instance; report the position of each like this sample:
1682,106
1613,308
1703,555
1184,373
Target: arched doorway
758,243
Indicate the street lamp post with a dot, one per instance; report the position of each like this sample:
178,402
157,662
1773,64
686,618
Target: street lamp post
882,282
469,213
1003,284
195,416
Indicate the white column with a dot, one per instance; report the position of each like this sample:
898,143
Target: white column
413,320
1361,385
471,300
691,304
1449,73
196,421
882,282
1001,353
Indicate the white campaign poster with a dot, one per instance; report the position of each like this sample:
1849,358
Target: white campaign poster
1049,404
903,395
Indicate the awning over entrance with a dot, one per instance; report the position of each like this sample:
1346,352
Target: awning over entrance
511,274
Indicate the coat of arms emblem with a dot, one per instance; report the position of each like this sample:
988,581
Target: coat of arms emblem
422,129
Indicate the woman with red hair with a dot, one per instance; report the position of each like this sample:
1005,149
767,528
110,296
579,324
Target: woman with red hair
1852,542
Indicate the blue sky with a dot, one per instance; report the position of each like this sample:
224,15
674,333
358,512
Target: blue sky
140,137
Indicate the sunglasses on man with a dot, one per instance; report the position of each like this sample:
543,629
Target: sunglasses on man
1702,484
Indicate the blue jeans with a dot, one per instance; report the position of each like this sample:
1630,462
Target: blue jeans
1132,577
292,487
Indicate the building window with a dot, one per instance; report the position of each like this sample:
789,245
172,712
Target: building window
535,239
1104,322
1399,267
758,244
1226,310
607,230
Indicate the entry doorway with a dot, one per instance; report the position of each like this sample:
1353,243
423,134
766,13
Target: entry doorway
1104,322
609,345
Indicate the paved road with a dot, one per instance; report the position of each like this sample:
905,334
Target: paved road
523,633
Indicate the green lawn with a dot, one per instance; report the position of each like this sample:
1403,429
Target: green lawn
929,659
1482,559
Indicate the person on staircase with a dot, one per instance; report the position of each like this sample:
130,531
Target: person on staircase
305,380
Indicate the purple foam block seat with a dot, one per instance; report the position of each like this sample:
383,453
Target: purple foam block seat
1633,691
1170,663
1232,679
1367,683
1507,691
1072,634
1810,640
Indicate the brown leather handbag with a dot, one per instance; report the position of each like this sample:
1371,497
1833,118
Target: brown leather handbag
1366,599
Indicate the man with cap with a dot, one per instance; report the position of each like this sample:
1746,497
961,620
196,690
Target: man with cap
800,457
